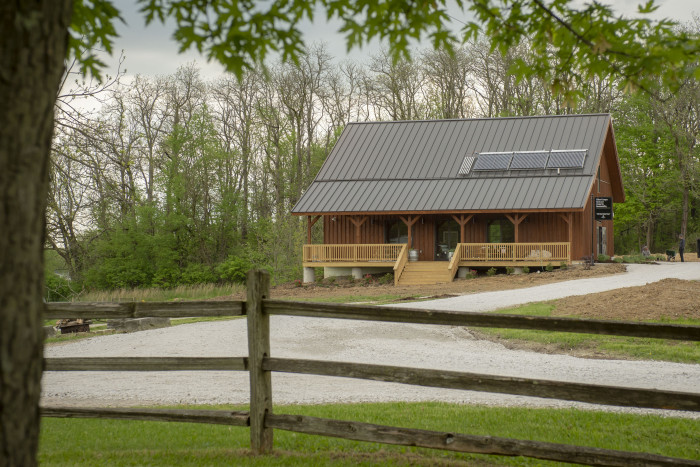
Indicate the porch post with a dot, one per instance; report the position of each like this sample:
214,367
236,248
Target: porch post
568,218
409,221
462,221
358,221
310,223
516,219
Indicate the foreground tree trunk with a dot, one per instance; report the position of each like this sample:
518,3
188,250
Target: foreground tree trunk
32,51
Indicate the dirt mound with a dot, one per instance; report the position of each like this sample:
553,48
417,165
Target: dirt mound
666,299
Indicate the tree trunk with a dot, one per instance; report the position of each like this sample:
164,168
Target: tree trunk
32,51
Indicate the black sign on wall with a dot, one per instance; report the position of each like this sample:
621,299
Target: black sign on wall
603,208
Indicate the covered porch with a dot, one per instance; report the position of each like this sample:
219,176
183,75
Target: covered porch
366,257
361,244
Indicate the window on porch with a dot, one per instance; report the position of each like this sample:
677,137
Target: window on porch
397,233
500,231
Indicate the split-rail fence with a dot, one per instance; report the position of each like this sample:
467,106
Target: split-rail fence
262,420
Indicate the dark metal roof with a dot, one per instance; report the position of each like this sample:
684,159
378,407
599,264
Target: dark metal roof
415,166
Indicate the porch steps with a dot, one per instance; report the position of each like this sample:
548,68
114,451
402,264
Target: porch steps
425,273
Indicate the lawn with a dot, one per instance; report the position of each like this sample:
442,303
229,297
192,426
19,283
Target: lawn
601,345
118,442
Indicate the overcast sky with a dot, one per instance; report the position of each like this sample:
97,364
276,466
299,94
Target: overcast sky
152,51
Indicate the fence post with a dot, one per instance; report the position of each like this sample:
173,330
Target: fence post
258,287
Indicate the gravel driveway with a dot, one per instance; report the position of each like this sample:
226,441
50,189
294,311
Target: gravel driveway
438,347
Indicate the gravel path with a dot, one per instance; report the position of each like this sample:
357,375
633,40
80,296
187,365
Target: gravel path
438,347
637,274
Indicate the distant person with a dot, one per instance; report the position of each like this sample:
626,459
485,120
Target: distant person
681,246
645,251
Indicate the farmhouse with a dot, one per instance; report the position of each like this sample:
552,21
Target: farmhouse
449,195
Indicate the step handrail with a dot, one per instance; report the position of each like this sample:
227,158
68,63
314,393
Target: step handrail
400,264
454,262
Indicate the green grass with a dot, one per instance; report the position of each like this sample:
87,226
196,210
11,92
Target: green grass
118,442
613,346
183,292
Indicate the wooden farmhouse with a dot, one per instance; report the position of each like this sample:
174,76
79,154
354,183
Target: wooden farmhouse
431,199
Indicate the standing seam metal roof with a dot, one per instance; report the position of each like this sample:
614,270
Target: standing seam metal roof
414,166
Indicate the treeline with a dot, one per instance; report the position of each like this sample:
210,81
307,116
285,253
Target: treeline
181,180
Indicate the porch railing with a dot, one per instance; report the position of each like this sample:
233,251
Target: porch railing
360,253
548,252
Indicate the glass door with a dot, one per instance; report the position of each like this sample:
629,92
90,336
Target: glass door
446,239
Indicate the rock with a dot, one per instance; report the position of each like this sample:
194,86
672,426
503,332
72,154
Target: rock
49,331
138,324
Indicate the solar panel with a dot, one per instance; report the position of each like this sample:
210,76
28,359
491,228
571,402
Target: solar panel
567,159
529,160
467,165
493,161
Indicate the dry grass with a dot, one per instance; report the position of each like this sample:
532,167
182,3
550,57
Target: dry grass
183,292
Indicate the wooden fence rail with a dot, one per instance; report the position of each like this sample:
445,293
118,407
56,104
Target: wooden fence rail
262,421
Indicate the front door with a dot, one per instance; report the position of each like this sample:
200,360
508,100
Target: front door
446,239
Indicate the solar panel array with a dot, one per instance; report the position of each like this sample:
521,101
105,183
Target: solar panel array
493,161
523,160
566,159
529,160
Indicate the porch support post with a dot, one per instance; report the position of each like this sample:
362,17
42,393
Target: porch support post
462,221
310,224
358,221
409,221
568,217
516,219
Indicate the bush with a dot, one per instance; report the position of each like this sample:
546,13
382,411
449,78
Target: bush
549,267
387,278
491,272
233,270
603,258
509,270
526,270
57,288
196,273
330,280
564,265
617,259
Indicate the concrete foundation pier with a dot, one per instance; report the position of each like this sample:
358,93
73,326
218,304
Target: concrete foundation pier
309,275
357,273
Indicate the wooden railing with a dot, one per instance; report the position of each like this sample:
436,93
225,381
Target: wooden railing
400,264
454,261
360,253
262,420
545,252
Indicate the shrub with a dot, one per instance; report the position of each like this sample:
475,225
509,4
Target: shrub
617,259
57,288
509,270
387,278
330,280
549,267
233,270
564,265
196,273
368,279
526,270
603,258
297,283
491,272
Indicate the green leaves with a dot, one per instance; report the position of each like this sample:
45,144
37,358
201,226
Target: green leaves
92,28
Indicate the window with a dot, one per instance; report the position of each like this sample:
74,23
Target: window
397,233
500,231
